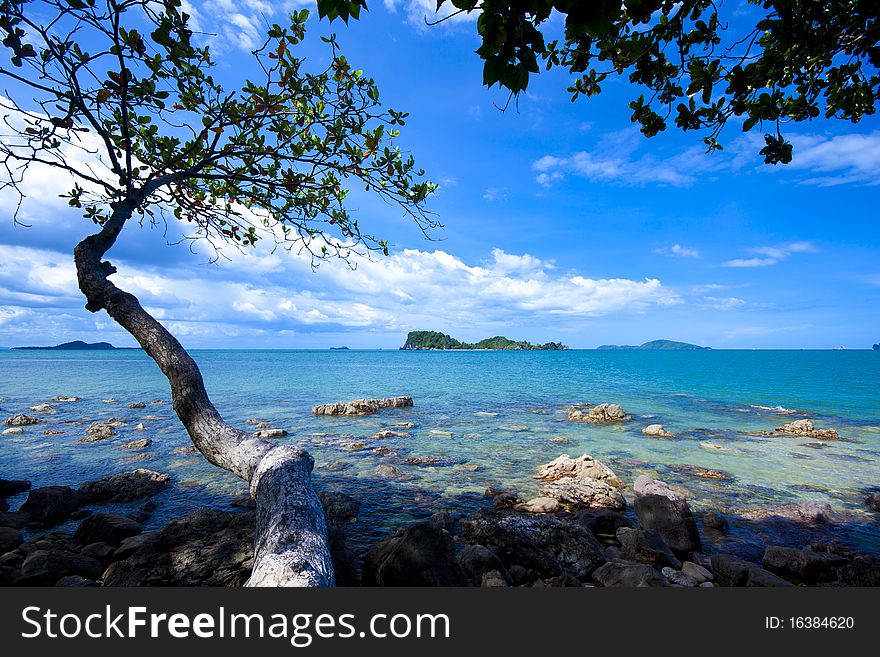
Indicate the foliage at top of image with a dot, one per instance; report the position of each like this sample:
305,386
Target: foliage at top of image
800,59
124,81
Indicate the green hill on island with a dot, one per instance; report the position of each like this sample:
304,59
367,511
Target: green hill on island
417,340
76,345
654,345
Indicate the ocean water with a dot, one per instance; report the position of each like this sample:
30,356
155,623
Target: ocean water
486,419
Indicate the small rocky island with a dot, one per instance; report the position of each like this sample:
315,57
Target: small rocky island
654,345
434,340
76,345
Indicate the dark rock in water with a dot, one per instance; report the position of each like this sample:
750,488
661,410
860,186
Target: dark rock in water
443,519
863,570
4,506
522,576
729,570
206,548
9,539
109,528
505,501
630,575
816,512
58,563
124,487
51,503
549,545
603,521
802,565
478,560
21,420
141,443
672,520
13,487
421,554
716,521
133,543
75,581
244,501
874,502
645,547
341,510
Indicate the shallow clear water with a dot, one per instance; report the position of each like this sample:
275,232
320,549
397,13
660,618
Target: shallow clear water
491,417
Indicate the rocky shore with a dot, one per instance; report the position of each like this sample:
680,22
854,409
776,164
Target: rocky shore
587,527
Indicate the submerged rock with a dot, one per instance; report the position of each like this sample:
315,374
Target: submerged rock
21,420
422,554
43,408
600,414
98,431
656,431
362,406
124,487
391,433
142,443
270,433
63,399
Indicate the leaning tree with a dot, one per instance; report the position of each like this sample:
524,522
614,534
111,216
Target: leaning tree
125,81
701,64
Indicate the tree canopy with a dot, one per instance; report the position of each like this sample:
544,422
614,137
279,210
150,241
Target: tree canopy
801,59
126,81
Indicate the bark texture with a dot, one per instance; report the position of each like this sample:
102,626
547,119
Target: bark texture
291,545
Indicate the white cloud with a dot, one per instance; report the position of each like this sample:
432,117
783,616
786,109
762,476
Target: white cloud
764,256
420,12
723,303
838,160
678,250
495,194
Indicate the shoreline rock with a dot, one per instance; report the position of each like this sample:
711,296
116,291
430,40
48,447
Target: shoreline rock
604,413
362,406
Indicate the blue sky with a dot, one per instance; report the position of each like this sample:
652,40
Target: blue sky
561,222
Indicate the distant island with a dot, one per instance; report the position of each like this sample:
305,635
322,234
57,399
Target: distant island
876,347
654,345
418,340
338,348
76,345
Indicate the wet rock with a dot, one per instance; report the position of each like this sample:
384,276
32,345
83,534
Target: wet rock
51,503
270,433
43,408
443,519
53,432
874,502
805,429
64,399
385,470
645,547
185,450
206,548
124,487
600,414
339,506
583,466
477,560
75,581
698,572
13,486
14,519
132,544
716,521
603,521
55,563
505,500
341,510
584,493
423,460
9,539
645,485
802,565
137,405
21,420
403,425
13,431
109,528
729,570
142,443
539,505
629,575
656,431
419,555
679,578
816,512
547,544
362,406
863,570
671,519
99,551
4,506
97,431
390,433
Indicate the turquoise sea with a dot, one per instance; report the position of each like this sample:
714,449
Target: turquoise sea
486,418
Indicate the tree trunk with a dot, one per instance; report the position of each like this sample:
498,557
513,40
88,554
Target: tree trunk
291,546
